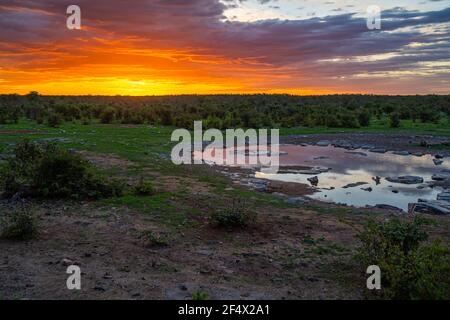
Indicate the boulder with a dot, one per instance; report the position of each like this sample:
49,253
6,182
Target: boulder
438,162
323,143
378,150
401,153
441,176
405,179
352,185
444,196
430,207
314,180
387,207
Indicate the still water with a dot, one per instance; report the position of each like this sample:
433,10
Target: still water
355,166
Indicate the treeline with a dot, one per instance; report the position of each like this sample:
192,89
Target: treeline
224,111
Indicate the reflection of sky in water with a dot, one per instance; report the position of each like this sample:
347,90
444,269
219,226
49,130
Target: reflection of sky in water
347,167
350,168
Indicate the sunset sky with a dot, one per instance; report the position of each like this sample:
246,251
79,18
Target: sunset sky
153,47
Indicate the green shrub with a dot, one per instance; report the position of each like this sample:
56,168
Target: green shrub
152,239
45,170
395,120
200,295
238,215
144,188
54,120
108,115
19,226
409,270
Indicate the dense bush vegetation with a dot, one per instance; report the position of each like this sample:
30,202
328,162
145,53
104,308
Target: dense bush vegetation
225,111
409,268
45,170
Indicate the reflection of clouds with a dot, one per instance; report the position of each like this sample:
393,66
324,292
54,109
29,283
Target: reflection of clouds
349,168
387,164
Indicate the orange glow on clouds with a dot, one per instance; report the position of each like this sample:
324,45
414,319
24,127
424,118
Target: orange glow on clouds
164,47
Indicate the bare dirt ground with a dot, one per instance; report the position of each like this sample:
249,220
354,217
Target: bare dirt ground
266,261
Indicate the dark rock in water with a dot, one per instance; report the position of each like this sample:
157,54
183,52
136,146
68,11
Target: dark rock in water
357,153
418,154
387,207
314,180
369,189
394,191
378,150
439,156
401,153
438,162
321,158
444,196
352,185
377,180
405,179
444,175
323,143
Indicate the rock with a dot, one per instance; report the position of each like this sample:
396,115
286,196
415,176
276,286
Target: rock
99,288
405,179
377,180
369,189
323,143
57,139
387,207
439,156
418,154
66,262
394,191
205,252
321,158
296,200
357,153
444,196
430,207
314,180
378,150
352,185
438,162
401,153
440,176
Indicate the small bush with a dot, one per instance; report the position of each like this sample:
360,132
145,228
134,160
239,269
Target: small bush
19,226
395,120
54,120
45,170
144,188
151,239
200,295
238,215
108,115
409,270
